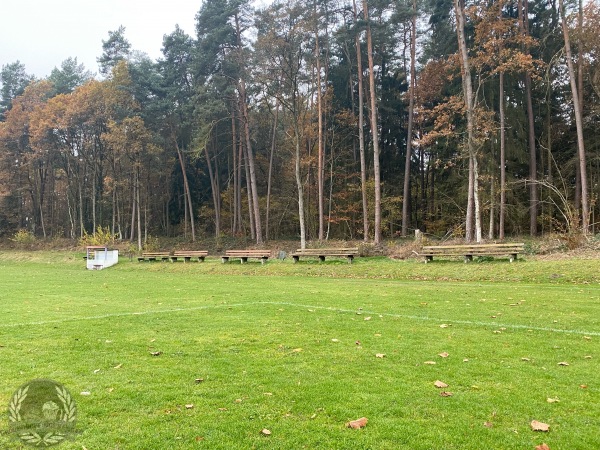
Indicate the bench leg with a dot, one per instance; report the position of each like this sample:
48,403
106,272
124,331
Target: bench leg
350,258
200,258
468,258
428,258
224,259
321,258
244,259
513,257
263,260
296,259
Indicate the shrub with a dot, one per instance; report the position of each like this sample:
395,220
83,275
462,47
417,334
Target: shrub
102,236
24,238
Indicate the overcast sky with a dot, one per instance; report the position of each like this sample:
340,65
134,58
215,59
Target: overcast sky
43,33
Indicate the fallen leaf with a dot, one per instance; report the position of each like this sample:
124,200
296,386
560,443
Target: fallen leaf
380,355
268,393
156,353
587,338
563,363
539,426
587,357
446,394
198,380
552,400
444,325
368,318
357,342
542,447
358,423
297,350
444,354
238,400
440,384
85,393
466,360
335,340
118,366
525,359
430,363
222,409
265,432
97,371
189,406
583,386
199,438
488,424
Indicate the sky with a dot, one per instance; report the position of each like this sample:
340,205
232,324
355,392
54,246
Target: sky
41,34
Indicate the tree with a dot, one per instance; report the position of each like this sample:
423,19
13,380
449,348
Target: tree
116,48
374,128
14,80
69,76
585,211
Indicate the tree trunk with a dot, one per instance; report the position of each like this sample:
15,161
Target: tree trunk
361,134
299,187
320,144
502,161
186,189
374,129
473,199
215,192
270,174
585,213
246,122
409,137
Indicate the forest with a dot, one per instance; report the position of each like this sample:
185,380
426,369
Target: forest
312,120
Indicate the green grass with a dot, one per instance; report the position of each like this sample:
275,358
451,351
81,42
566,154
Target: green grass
276,345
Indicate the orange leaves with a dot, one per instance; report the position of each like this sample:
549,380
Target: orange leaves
539,426
358,423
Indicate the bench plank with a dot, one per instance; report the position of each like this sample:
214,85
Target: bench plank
468,251
187,255
154,256
322,253
263,255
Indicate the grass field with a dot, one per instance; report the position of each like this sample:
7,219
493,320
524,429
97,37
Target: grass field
301,349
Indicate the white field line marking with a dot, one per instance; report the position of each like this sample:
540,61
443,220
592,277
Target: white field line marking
297,305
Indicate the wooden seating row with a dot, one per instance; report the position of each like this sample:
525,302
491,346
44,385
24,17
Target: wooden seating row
469,251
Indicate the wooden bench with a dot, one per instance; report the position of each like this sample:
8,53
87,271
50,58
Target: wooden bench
187,255
321,253
263,255
468,251
154,256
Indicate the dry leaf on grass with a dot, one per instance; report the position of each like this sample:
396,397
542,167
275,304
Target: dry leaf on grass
488,424
446,394
118,366
539,426
380,355
156,353
198,380
563,363
429,363
444,325
443,354
440,384
552,400
542,447
297,350
189,406
265,432
358,423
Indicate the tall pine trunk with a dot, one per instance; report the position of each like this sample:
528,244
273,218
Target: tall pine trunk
374,129
409,137
361,133
585,211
